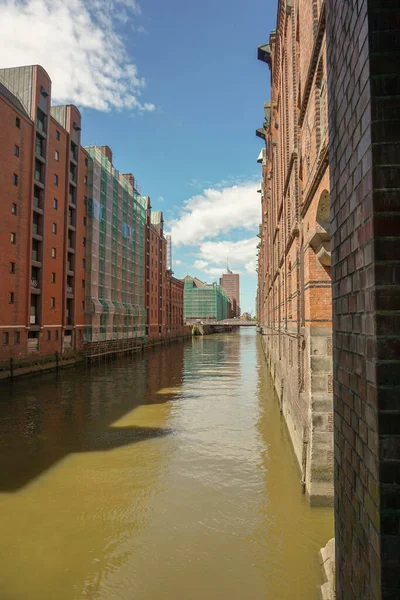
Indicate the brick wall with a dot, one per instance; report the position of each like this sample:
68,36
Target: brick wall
13,317
294,286
364,130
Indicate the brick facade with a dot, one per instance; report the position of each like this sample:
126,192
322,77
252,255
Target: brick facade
156,272
294,285
231,284
39,314
364,132
174,306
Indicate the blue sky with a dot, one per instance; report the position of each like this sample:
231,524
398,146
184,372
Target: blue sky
175,89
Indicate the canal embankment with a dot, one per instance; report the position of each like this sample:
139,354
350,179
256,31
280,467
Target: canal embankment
37,363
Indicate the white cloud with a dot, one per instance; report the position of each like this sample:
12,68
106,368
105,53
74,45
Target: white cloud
217,211
241,255
161,198
178,262
79,46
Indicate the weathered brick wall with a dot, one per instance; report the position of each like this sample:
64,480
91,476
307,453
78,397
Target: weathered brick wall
364,108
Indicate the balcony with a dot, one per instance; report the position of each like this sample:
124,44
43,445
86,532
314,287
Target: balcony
74,152
36,258
41,127
35,286
36,207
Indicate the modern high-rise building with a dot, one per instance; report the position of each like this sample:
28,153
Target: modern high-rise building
42,217
204,301
231,284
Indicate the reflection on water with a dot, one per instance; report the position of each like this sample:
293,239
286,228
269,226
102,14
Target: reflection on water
163,476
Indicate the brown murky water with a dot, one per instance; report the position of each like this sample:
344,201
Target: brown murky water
168,476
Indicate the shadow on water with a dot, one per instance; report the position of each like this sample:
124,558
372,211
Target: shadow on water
47,418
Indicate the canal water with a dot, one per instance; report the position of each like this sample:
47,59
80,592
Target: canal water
165,476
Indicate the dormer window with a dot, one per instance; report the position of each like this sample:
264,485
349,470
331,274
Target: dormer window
43,91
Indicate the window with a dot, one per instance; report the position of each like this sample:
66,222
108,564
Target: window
15,179
52,303
53,278
84,263
83,305
17,337
55,203
83,283
40,120
11,298
39,149
36,224
85,200
13,238
5,338
17,122
84,221
12,267
37,197
48,336
55,179
57,155
84,241
53,253
14,209
16,150
85,179
35,250
57,134
38,171
56,334
54,229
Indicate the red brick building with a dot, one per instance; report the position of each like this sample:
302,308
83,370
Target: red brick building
42,217
174,326
294,284
231,284
155,270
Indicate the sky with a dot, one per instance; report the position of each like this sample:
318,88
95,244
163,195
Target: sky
176,90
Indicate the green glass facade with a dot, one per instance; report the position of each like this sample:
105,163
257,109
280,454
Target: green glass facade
204,301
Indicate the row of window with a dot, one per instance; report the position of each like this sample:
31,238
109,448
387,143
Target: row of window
13,238
53,275
38,176
17,337
11,297
6,338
